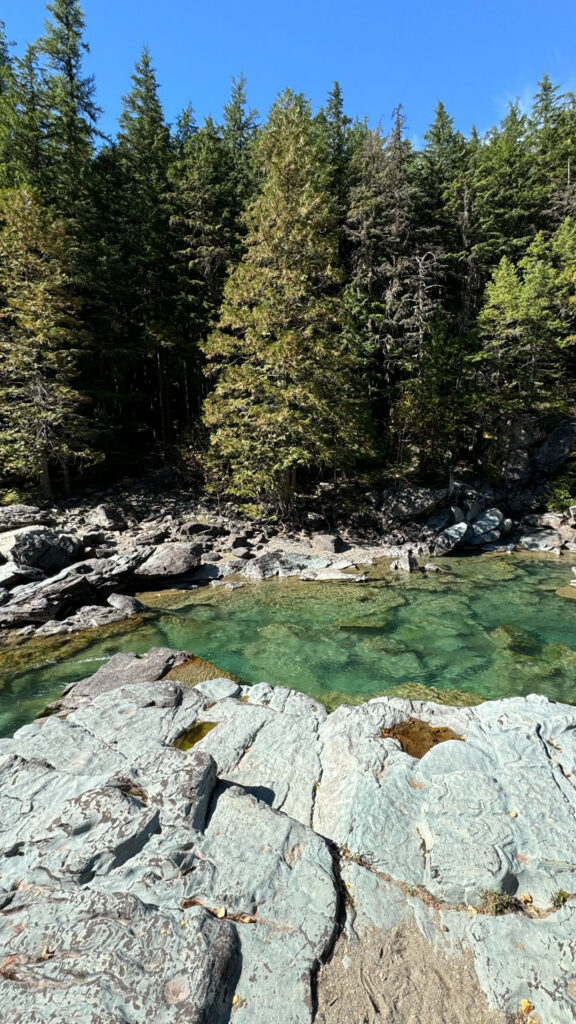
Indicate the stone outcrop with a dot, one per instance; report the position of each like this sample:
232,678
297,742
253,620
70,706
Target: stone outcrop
197,850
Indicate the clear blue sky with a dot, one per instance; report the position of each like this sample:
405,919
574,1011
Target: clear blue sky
475,55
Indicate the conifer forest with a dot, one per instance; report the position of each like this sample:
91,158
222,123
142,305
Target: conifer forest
267,303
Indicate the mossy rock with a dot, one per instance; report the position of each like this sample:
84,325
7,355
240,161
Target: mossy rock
514,639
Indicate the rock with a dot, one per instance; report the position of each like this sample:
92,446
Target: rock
77,585
125,604
218,689
450,538
210,876
12,575
106,517
489,522
41,548
406,562
243,553
176,973
177,558
264,567
330,542
87,617
331,575
121,669
410,502
541,540
14,517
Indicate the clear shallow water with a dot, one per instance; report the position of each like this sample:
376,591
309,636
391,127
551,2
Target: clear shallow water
494,628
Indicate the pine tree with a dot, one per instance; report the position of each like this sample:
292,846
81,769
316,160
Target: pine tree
527,327
287,391
239,133
41,423
71,111
144,149
23,144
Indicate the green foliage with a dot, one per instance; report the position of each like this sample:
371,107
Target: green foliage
329,293
41,341
560,898
288,384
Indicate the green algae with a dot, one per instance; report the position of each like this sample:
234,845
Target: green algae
417,737
492,627
193,735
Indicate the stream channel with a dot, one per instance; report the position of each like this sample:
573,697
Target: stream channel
492,627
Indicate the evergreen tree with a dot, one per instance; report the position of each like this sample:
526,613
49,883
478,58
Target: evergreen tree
41,339
287,389
527,326
71,111
23,143
239,134
144,149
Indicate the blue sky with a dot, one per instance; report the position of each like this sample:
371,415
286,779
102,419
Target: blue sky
475,55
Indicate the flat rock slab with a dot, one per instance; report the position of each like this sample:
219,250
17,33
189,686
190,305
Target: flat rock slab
197,850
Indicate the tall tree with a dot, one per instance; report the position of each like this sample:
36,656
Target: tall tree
42,428
287,392
71,111
144,149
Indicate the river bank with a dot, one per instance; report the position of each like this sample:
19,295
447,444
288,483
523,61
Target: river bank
77,566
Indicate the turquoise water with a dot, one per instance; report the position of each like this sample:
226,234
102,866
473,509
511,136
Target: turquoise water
494,627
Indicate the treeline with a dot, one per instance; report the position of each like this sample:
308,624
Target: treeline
277,302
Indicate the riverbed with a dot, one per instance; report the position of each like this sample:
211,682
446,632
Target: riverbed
489,627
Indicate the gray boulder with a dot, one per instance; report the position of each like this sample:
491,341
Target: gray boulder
125,604
44,549
14,517
539,540
11,575
488,522
87,617
176,558
449,539
406,562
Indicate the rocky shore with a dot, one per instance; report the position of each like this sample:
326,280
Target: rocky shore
217,853
75,567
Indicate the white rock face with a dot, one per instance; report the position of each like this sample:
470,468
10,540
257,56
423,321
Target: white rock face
227,860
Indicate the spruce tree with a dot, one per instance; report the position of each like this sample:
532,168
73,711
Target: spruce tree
71,110
288,387
42,428
144,150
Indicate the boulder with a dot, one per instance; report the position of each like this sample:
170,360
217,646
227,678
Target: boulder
218,689
87,617
539,540
11,575
406,562
400,504
125,604
450,538
14,517
176,558
42,548
488,522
